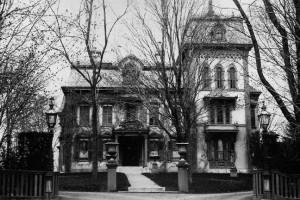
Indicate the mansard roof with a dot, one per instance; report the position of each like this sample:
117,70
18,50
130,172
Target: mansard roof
112,74
203,28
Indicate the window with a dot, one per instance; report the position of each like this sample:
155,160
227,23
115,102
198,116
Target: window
218,32
154,114
220,152
220,112
219,77
232,77
131,112
206,77
84,115
253,117
107,115
83,149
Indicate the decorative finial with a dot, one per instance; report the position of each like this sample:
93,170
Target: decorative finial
210,8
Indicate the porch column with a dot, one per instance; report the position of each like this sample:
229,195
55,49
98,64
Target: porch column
146,150
118,150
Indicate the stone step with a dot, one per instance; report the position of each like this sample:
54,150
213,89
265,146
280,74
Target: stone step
130,170
146,189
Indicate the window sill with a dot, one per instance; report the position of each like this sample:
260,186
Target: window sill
219,124
81,160
220,164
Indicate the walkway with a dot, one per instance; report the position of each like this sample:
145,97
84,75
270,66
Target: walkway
138,182
152,196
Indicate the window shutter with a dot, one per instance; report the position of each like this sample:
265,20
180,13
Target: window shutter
90,150
209,150
148,149
161,150
209,78
76,149
170,150
226,150
223,79
100,149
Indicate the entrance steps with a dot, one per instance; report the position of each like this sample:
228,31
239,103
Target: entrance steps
139,182
130,170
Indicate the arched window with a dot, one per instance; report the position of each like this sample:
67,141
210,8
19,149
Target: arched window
232,78
206,77
219,77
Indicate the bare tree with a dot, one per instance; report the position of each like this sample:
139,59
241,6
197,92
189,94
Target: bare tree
170,78
276,40
168,35
23,64
83,25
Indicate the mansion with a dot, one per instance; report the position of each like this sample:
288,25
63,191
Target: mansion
221,134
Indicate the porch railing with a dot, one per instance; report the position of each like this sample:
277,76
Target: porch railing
19,184
282,186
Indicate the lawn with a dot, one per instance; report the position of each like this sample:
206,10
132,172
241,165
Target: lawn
84,182
205,182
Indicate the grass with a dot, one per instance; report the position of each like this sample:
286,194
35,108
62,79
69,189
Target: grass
84,182
205,182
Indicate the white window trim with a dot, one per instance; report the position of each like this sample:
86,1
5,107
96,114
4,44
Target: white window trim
101,112
78,114
86,158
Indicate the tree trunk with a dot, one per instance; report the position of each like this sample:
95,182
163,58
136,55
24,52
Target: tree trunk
8,144
94,133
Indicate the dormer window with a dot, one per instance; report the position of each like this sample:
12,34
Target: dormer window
130,74
218,32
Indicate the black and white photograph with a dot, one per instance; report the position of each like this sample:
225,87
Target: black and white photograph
150,99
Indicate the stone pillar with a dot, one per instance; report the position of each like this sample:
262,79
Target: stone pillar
111,175
266,185
183,180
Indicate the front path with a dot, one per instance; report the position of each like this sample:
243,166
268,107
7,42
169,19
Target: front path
152,196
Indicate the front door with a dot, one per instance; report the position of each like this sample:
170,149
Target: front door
130,150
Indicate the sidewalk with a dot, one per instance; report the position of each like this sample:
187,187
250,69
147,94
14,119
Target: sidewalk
152,196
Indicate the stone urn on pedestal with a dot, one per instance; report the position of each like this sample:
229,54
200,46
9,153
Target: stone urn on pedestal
183,183
111,166
154,157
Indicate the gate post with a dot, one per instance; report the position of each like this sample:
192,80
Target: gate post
183,181
111,175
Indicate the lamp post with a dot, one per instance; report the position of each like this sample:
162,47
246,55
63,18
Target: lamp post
51,117
264,121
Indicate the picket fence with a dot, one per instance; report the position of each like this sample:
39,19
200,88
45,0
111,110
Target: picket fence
19,184
282,186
